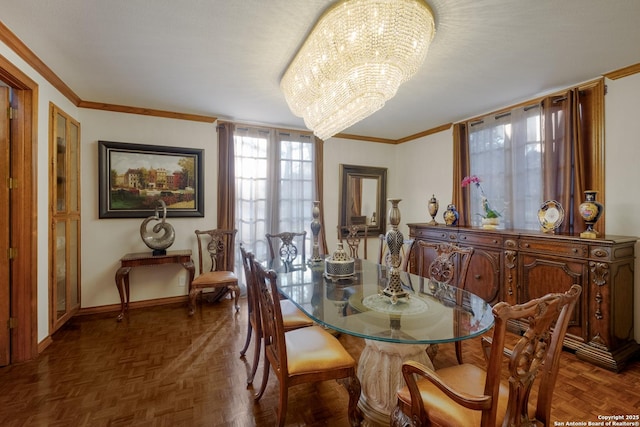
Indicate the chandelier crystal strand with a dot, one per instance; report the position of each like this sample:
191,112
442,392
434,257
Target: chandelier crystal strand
354,60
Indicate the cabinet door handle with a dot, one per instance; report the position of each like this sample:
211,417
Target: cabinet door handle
477,277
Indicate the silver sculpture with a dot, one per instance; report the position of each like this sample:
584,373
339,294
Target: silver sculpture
163,234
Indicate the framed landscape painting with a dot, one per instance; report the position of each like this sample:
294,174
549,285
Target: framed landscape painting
133,177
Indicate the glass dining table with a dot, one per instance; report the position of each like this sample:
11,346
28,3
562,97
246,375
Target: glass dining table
394,331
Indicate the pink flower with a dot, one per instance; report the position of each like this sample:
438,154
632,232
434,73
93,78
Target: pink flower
472,179
489,212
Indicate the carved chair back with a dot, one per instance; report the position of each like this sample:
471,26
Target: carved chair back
288,248
215,249
450,264
536,353
253,312
353,235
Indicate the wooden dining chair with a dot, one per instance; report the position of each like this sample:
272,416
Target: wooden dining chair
468,395
288,250
449,265
384,255
215,248
353,235
292,316
303,355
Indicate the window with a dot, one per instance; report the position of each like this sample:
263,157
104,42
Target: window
551,149
275,186
505,152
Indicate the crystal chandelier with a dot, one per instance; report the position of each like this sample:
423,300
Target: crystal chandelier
354,60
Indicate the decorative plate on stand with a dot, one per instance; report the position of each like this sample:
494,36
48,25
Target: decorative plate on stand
550,215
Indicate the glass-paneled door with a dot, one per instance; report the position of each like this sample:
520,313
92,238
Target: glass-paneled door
64,197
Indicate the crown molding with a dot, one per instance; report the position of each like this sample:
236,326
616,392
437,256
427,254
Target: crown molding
623,72
146,111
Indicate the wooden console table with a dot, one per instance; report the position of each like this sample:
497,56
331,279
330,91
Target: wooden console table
138,259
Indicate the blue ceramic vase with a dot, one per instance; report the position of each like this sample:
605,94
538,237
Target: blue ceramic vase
451,215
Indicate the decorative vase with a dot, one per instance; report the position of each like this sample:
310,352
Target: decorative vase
451,215
490,223
315,230
433,209
590,211
395,240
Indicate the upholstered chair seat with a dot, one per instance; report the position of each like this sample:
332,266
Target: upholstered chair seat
313,349
465,378
293,317
218,277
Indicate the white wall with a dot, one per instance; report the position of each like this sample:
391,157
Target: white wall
105,241
416,170
360,153
424,168
622,172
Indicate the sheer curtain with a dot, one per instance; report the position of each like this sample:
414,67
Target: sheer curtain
253,188
296,184
275,185
505,152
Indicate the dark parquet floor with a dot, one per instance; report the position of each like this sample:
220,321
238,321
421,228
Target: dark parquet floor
160,367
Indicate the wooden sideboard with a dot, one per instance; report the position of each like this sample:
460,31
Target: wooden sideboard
516,266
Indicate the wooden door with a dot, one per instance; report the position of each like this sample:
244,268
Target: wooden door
5,296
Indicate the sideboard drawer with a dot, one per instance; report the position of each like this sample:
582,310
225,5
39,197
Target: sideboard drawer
554,248
434,234
473,239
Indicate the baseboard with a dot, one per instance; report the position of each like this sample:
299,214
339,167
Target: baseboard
133,305
46,342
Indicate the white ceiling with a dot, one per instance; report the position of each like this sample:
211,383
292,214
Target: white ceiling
225,58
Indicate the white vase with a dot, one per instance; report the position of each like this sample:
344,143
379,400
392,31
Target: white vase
490,223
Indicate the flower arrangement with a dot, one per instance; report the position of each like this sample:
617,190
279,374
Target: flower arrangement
489,212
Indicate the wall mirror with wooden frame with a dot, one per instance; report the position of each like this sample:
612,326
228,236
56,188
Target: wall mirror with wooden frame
363,195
